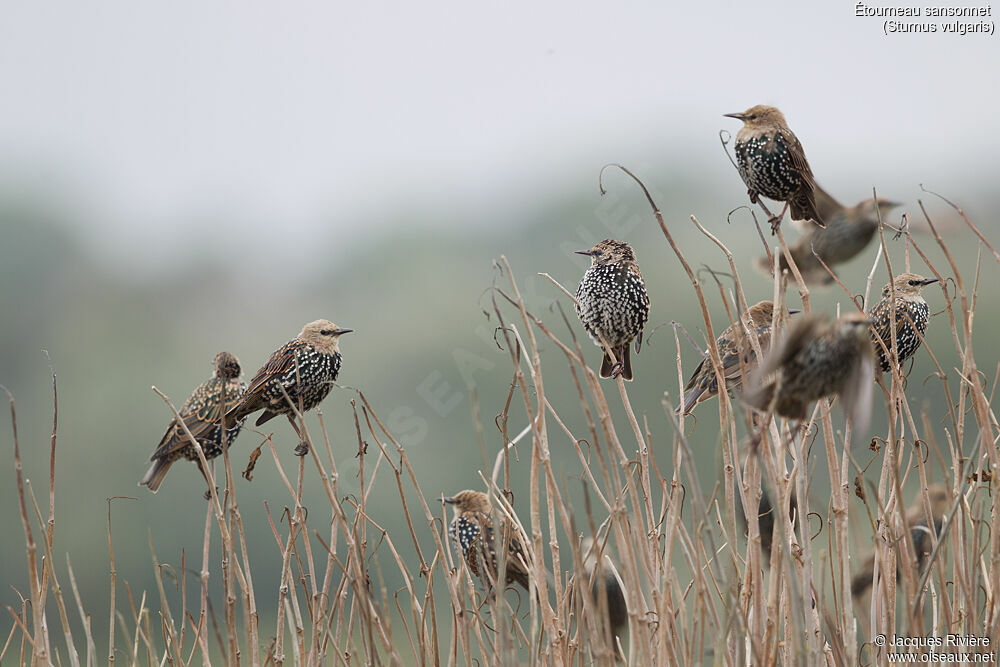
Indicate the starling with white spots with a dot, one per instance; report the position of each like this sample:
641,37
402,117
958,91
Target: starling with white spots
473,531
912,316
612,304
202,414
815,359
302,370
736,354
772,163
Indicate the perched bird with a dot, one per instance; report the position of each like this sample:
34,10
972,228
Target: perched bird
912,315
916,519
612,303
736,354
472,529
202,413
818,358
305,368
766,519
772,163
605,589
848,231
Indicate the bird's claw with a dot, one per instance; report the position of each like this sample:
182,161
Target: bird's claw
617,370
302,449
208,493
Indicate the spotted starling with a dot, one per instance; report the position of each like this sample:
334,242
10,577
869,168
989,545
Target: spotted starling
818,358
733,344
848,231
472,529
612,303
305,367
605,588
202,413
916,519
772,163
912,315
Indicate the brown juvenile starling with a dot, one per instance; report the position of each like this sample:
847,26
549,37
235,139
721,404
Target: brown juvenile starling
605,589
772,163
733,345
940,502
202,413
912,315
848,231
304,367
818,358
472,529
612,303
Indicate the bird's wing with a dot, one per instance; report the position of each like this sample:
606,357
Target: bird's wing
278,365
200,412
857,392
798,156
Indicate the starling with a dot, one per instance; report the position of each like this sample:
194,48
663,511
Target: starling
772,163
304,367
818,358
605,589
766,519
202,413
912,315
612,303
472,529
848,231
916,519
736,354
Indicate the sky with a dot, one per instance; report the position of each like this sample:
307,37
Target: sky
265,124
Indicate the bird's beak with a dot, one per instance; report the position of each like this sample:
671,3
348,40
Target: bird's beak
737,116
448,499
792,311
588,253
341,332
888,203
928,281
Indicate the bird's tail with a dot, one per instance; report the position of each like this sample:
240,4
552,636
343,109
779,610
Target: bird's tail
154,476
804,208
691,399
626,356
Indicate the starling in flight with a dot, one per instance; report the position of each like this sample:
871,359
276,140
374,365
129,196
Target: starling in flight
815,359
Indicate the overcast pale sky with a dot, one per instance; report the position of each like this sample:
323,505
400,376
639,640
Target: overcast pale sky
153,118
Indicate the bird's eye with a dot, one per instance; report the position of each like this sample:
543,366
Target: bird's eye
913,282
326,332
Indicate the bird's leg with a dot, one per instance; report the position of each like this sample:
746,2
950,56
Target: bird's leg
303,447
754,197
775,220
204,473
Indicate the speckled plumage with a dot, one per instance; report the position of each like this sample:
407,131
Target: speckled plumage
818,358
202,413
848,231
912,316
772,163
605,589
733,344
920,535
612,303
473,531
305,367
